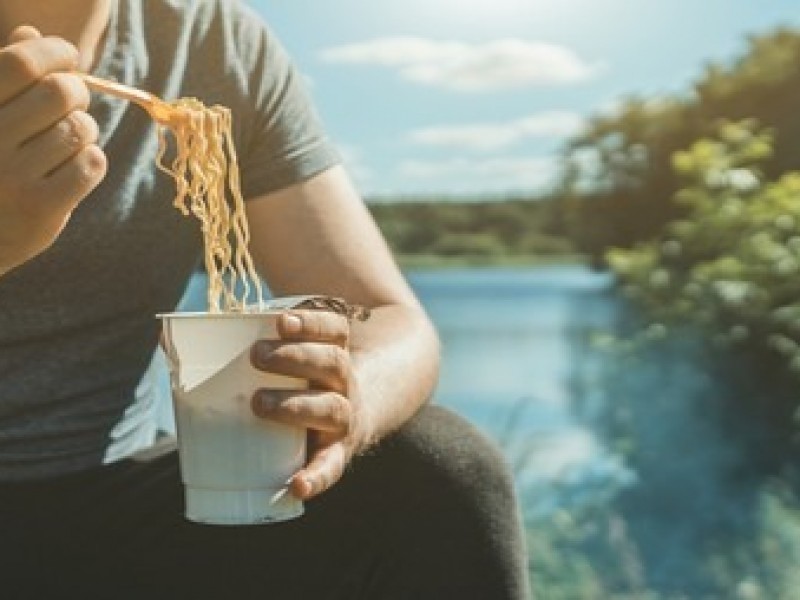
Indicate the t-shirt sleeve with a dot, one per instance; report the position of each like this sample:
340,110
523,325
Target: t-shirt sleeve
282,141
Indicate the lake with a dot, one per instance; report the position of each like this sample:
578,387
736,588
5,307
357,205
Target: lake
517,362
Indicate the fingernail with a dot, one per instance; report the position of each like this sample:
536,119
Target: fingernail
265,401
262,352
292,324
300,486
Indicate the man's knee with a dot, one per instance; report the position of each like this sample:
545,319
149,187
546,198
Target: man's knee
441,496
441,446
461,494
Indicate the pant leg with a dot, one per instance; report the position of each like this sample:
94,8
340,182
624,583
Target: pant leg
441,500
428,514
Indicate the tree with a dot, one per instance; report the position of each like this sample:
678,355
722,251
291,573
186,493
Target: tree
618,183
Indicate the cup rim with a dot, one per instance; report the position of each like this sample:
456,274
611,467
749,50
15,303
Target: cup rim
220,315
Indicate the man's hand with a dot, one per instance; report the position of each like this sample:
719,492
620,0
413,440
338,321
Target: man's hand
49,160
314,346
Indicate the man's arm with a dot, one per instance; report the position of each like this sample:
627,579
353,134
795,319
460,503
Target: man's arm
318,237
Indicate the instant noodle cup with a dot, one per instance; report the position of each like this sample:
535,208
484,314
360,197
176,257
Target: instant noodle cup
235,466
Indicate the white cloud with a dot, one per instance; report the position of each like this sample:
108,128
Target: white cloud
497,65
496,136
465,175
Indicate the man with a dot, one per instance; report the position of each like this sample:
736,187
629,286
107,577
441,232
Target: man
91,249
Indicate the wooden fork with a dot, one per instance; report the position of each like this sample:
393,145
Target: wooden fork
160,111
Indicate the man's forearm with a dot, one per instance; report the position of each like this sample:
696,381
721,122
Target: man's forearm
396,359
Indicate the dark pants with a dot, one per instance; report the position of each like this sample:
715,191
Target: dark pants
428,514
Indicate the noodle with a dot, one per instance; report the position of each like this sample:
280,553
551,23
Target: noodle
205,169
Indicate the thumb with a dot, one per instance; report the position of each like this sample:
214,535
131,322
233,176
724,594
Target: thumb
22,33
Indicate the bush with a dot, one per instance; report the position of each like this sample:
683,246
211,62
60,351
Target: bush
731,265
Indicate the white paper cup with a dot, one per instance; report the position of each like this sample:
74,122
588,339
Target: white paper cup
235,466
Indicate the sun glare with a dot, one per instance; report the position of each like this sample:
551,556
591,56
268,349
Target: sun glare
489,8
476,15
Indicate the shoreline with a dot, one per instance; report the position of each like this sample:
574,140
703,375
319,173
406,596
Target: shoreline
435,261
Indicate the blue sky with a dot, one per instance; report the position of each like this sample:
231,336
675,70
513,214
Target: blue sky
477,96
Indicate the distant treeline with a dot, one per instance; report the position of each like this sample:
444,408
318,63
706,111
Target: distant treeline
483,229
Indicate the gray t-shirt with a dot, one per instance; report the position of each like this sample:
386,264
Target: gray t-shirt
77,323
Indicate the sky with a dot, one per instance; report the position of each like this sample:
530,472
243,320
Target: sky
476,97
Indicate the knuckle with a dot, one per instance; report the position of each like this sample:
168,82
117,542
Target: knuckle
336,469
292,353
338,362
75,131
64,92
312,323
334,327
341,464
341,334
324,480
324,325
339,411
87,126
65,51
56,91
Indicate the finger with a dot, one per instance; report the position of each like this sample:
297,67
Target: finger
52,148
318,326
53,97
22,33
325,468
321,411
73,180
25,62
325,365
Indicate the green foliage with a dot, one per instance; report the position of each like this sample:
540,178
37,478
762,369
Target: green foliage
715,511
619,183
559,568
731,264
